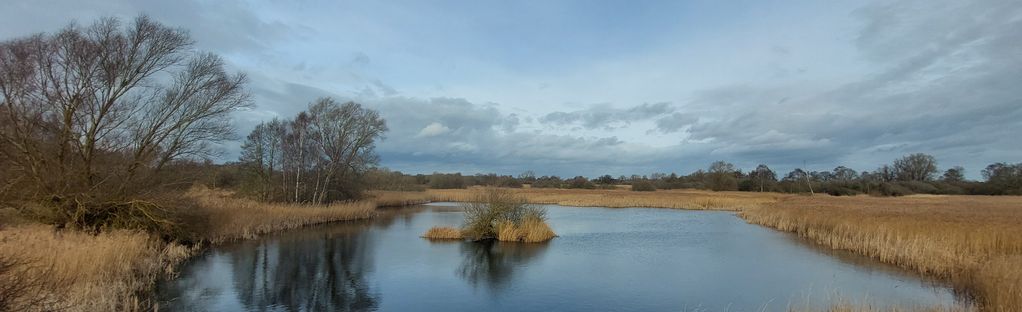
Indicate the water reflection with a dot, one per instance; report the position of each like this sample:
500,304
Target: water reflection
314,270
605,259
492,263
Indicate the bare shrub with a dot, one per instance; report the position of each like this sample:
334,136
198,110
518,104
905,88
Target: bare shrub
502,214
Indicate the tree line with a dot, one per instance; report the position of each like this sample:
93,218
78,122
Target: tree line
911,174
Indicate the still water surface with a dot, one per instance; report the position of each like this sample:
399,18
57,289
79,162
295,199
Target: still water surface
605,259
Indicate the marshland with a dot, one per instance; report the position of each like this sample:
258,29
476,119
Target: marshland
346,157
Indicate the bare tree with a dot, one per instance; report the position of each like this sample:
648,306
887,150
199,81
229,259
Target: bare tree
325,151
763,176
261,153
915,167
345,136
96,112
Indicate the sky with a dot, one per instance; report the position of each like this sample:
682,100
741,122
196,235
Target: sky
628,87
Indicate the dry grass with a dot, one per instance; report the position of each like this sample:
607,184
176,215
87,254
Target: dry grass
75,271
619,198
975,242
443,233
972,241
843,306
530,231
398,199
233,218
116,270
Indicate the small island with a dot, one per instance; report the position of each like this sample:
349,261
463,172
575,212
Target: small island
498,214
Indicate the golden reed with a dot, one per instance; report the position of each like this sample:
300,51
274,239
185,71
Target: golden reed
116,270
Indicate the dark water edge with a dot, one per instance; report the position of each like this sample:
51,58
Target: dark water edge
636,259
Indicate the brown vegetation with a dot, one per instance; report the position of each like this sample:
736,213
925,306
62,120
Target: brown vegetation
619,198
972,241
45,269
398,199
530,230
232,218
843,306
76,271
93,118
505,215
442,233
500,214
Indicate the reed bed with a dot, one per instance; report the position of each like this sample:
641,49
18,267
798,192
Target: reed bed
398,198
975,242
44,269
618,198
852,307
76,271
232,218
530,231
498,213
443,233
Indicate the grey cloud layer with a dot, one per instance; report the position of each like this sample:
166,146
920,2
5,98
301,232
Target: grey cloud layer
943,78
604,116
948,88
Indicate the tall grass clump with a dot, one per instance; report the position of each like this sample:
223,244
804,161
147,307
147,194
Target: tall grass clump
503,215
47,270
442,233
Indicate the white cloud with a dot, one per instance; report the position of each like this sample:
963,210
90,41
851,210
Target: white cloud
433,129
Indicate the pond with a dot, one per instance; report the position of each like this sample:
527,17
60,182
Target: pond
634,259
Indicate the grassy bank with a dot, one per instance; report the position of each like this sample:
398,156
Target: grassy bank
43,269
975,242
398,199
231,218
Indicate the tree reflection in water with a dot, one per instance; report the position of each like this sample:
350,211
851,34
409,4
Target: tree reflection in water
324,272
492,263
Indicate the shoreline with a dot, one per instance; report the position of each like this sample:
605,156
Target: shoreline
970,236
119,270
145,259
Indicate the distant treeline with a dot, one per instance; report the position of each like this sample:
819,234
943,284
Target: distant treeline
912,174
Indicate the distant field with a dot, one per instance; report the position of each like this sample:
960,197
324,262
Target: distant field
620,198
973,242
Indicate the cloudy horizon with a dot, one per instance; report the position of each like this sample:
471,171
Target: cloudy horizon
569,88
